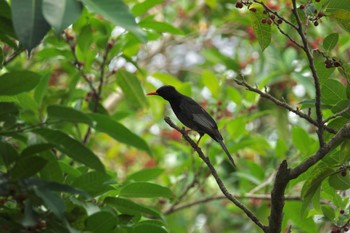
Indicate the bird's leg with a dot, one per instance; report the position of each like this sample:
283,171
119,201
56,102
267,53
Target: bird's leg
200,137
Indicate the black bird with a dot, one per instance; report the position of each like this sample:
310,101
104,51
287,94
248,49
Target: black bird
192,115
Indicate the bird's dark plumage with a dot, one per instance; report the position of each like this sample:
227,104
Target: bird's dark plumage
192,115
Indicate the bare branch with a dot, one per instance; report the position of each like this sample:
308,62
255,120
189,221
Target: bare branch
218,180
223,197
337,114
310,59
304,166
282,104
268,181
13,55
277,195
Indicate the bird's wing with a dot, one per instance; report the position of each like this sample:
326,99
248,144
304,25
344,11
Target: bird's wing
192,110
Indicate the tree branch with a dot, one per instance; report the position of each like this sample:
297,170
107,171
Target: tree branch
13,55
277,197
337,114
282,104
222,197
218,180
310,59
304,166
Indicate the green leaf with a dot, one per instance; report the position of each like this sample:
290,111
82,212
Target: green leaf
301,140
101,222
126,206
141,8
29,22
118,13
8,154
145,174
314,181
281,148
41,88
161,27
132,89
262,30
85,39
71,147
332,92
52,172
340,106
337,4
340,182
342,17
22,170
328,212
16,82
168,79
330,41
61,14
145,189
93,183
214,56
27,102
211,82
59,112
118,131
36,148
323,72
149,226
311,104
52,200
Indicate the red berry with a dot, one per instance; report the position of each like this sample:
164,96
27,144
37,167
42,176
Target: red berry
320,14
269,21
252,9
263,21
342,211
239,4
110,44
302,7
317,0
279,21
337,64
272,17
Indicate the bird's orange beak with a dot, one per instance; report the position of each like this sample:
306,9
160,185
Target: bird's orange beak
152,93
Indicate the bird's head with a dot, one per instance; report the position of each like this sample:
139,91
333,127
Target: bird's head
167,92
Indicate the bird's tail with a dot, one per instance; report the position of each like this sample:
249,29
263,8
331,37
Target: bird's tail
221,142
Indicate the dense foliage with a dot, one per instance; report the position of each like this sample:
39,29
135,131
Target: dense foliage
82,149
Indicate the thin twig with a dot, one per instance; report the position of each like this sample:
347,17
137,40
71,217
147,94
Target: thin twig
13,55
98,92
337,114
218,180
282,104
30,127
268,181
181,197
222,197
310,59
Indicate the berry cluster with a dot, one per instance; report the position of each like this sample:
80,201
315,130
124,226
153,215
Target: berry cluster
315,17
332,63
271,17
